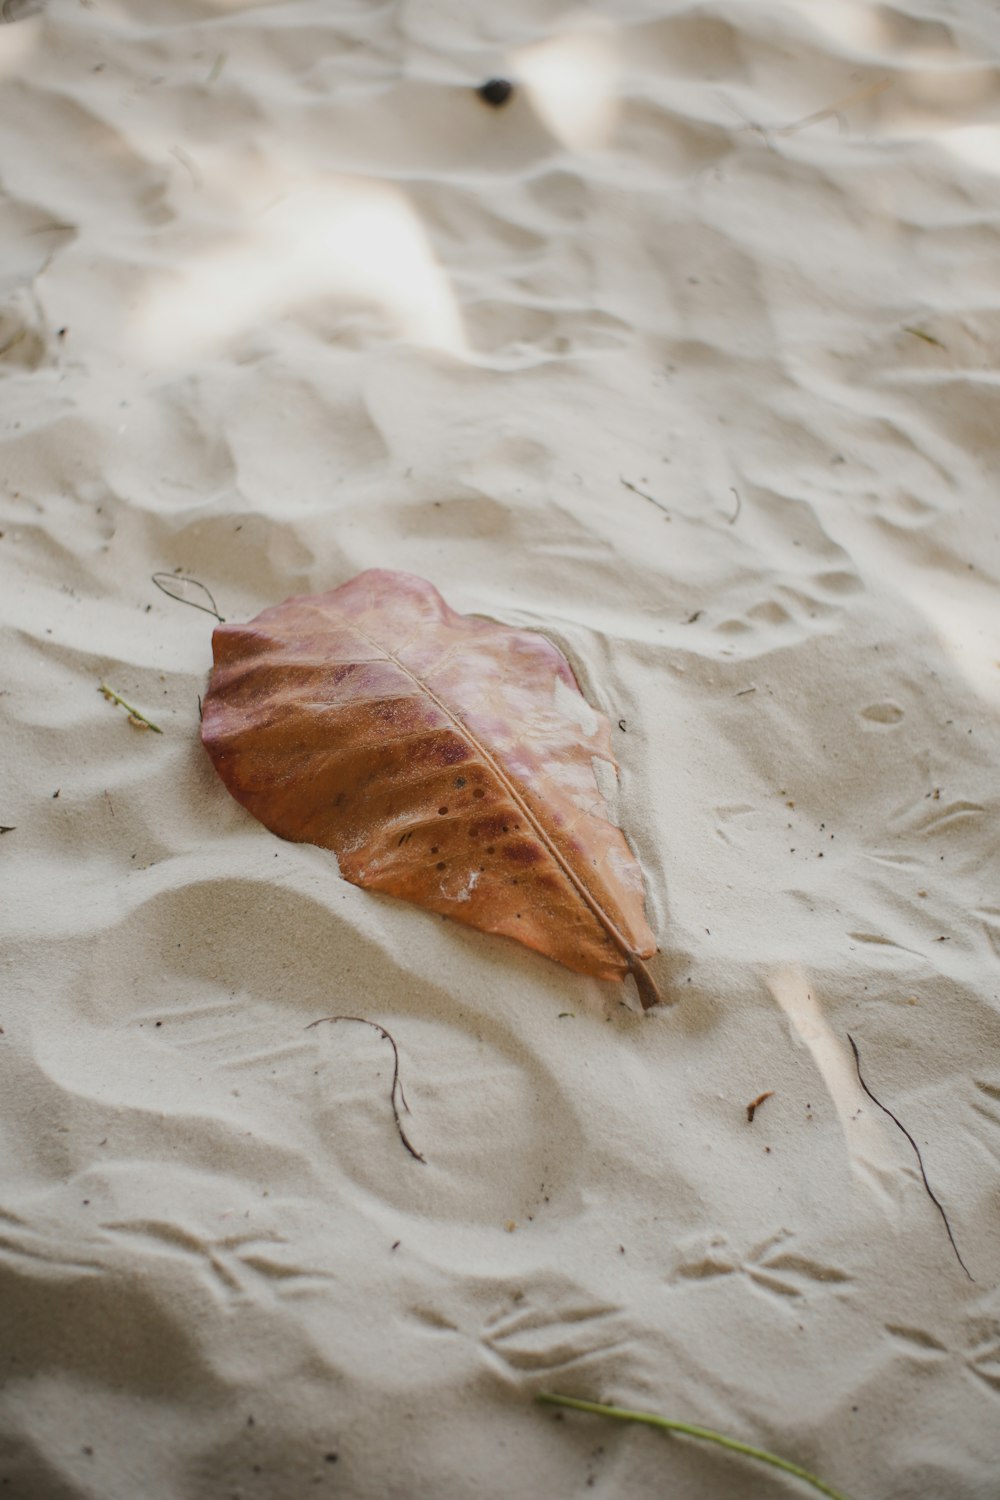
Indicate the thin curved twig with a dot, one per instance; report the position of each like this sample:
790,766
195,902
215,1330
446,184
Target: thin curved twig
397,1085
209,609
667,1424
930,1191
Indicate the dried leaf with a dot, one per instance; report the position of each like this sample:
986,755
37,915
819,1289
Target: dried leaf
446,759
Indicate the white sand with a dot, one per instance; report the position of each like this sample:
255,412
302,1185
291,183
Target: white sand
282,300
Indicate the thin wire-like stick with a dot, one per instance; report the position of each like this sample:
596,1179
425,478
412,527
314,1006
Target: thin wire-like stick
135,717
644,495
667,1424
928,338
209,609
930,1191
397,1085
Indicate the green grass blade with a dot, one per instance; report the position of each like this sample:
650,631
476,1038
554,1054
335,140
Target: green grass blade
136,717
649,1419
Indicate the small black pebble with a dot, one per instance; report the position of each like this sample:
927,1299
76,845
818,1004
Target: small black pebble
495,91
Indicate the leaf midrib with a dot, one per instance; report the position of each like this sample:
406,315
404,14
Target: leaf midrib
607,922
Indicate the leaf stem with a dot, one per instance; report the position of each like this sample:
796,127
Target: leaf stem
133,713
649,1419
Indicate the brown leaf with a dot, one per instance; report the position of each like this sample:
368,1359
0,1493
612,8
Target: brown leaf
446,759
